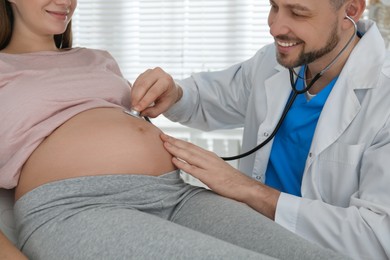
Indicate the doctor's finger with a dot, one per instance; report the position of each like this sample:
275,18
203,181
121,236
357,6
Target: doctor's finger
162,95
193,170
159,107
141,86
196,166
183,144
180,142
153,96
188,152
149,87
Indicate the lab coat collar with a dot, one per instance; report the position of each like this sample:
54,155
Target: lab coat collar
359,74
366,58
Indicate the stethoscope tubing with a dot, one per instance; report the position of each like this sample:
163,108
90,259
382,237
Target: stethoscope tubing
295,93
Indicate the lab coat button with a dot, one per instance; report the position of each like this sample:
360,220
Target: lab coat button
258,178
310,154
266,134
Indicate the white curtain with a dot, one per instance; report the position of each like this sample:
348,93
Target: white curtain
181,36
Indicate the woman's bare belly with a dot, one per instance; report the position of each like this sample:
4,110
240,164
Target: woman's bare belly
96,142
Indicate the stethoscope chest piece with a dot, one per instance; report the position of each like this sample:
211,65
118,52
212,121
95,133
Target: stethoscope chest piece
133,113
136,114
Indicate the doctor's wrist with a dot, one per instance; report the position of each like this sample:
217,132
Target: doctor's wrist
264,199
179,92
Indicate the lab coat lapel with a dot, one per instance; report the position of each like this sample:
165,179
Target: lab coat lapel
340,109
277,89
343,104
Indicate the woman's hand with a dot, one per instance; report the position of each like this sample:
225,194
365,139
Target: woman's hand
220,177
154,92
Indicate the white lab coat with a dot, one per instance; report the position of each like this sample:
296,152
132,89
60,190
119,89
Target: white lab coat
345,202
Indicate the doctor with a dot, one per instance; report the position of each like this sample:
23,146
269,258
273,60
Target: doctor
326,173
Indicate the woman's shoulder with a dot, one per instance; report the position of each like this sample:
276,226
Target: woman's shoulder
95,54
93,51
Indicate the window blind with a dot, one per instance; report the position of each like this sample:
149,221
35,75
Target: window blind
181,36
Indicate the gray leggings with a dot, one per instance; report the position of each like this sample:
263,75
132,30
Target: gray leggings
146,217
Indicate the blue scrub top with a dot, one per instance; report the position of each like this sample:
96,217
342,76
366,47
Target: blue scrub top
292,142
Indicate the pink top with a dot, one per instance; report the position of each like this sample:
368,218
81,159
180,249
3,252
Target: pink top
40,91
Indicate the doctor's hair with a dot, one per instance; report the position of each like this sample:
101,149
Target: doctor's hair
62,41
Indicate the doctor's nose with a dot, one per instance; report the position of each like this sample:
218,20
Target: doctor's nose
278,25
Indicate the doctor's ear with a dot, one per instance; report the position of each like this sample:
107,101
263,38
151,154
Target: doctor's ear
355,8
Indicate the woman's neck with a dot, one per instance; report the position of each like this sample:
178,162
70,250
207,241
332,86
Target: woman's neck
22,46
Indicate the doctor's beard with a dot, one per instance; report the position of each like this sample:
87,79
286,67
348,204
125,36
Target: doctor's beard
309,57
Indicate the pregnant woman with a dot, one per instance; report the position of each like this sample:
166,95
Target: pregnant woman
92,182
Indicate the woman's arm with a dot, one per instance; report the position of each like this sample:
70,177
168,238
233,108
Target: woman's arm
8,250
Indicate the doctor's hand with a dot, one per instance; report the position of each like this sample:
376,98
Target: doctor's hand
221,177
154,92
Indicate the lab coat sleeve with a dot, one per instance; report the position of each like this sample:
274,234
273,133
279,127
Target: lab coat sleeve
212,100
362,229
219,99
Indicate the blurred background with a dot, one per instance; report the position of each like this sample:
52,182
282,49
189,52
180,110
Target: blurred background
183,37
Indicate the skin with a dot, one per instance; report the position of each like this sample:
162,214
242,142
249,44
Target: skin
299,25
110,149
97,141
286,41
305,24
303,33
36,22
30,36
8,251
221,177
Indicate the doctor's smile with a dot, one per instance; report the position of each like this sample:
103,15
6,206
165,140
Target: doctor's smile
287,44
287,47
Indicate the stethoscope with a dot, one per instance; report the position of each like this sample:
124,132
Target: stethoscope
295,93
